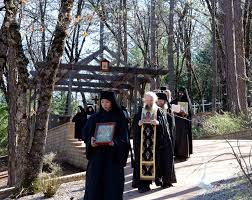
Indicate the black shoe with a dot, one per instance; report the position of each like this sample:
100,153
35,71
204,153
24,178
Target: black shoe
181,158
166,185
144,189
134,185
158,182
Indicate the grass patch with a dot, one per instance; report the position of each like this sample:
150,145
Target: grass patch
47,182
51,170
218,124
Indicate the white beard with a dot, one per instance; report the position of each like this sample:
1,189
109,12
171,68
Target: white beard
150,108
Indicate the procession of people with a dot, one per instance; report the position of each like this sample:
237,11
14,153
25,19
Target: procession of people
161,130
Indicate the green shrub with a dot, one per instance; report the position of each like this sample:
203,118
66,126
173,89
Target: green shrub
218,124
48,183
50,166
50,188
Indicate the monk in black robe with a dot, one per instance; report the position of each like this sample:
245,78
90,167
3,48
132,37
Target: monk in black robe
80,120
163,150
183,142
105,170
164,96
90,111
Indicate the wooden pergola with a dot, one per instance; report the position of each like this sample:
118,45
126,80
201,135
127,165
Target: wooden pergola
127,81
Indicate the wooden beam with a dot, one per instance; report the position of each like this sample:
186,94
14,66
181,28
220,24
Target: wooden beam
88,90
91,57
93,84
126,70
98,77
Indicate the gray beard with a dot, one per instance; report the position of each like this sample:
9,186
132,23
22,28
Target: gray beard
147,107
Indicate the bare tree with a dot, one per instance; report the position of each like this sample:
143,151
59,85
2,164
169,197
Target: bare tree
231,70
240,55
29,161
214,56
171,68
46,82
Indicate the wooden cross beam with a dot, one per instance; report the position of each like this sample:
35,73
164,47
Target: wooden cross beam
93,84
88,90
98,77
127,70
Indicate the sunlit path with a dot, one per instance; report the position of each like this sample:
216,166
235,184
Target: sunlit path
195,172
190,174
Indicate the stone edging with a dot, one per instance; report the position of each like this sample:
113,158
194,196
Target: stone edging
6,192
69,178
59,126
244,134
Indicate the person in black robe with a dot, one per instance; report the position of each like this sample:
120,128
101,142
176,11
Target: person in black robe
80,120
164,152
90,111
183,142
127,116
163,102
105,170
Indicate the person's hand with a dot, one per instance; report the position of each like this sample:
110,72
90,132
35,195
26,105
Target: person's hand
155,122
140,123
111,143
183,113
93,140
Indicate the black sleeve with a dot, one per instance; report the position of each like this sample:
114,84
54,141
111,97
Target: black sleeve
121,142
75,118
189,109
163,133
136,130
86,136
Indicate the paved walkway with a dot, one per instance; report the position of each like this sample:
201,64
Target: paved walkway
193,176
195,173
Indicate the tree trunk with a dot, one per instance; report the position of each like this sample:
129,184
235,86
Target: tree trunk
240,55
222,66
42,9
46,82
17,90
10,99
153,35
188,56
171,69
214,57
247,42
84,100
229,40
125,31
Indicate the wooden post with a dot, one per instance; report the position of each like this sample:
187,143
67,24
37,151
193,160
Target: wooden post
96,99
135,94
69,95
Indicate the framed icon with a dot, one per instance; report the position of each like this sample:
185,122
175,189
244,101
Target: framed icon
104,133
184,106
104,65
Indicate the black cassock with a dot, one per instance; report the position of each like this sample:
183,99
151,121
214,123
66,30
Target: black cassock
105,170
183,139
80,120
172,124
164,151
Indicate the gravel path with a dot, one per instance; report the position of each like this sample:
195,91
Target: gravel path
196,179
